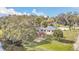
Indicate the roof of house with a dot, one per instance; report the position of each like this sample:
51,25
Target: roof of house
50,28
47,28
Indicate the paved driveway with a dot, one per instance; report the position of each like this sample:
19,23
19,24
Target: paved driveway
1,49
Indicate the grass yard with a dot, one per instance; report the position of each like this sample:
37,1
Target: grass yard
56,46
71,35
61,46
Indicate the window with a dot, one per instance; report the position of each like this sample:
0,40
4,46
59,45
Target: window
41,29
44,30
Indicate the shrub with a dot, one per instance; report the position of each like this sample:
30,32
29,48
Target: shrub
58,34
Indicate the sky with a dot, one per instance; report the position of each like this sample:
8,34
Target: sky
43,11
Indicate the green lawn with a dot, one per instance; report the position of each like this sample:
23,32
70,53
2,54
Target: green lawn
59,46
56,46
71,35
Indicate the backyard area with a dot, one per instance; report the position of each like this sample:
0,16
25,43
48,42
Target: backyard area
56,46
69,36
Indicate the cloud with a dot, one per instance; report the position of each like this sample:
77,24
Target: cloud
34,11
7,11
10,11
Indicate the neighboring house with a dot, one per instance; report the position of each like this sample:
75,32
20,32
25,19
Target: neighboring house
50,21
63,28
77,28
41,31
67,28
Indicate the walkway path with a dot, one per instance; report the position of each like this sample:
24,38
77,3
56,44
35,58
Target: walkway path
76,44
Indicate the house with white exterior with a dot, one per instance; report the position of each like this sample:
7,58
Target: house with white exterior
45,30
63,28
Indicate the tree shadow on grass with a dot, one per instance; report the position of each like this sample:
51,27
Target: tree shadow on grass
66,41
41,43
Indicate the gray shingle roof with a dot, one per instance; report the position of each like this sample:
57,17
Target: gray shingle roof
50,28
47,28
